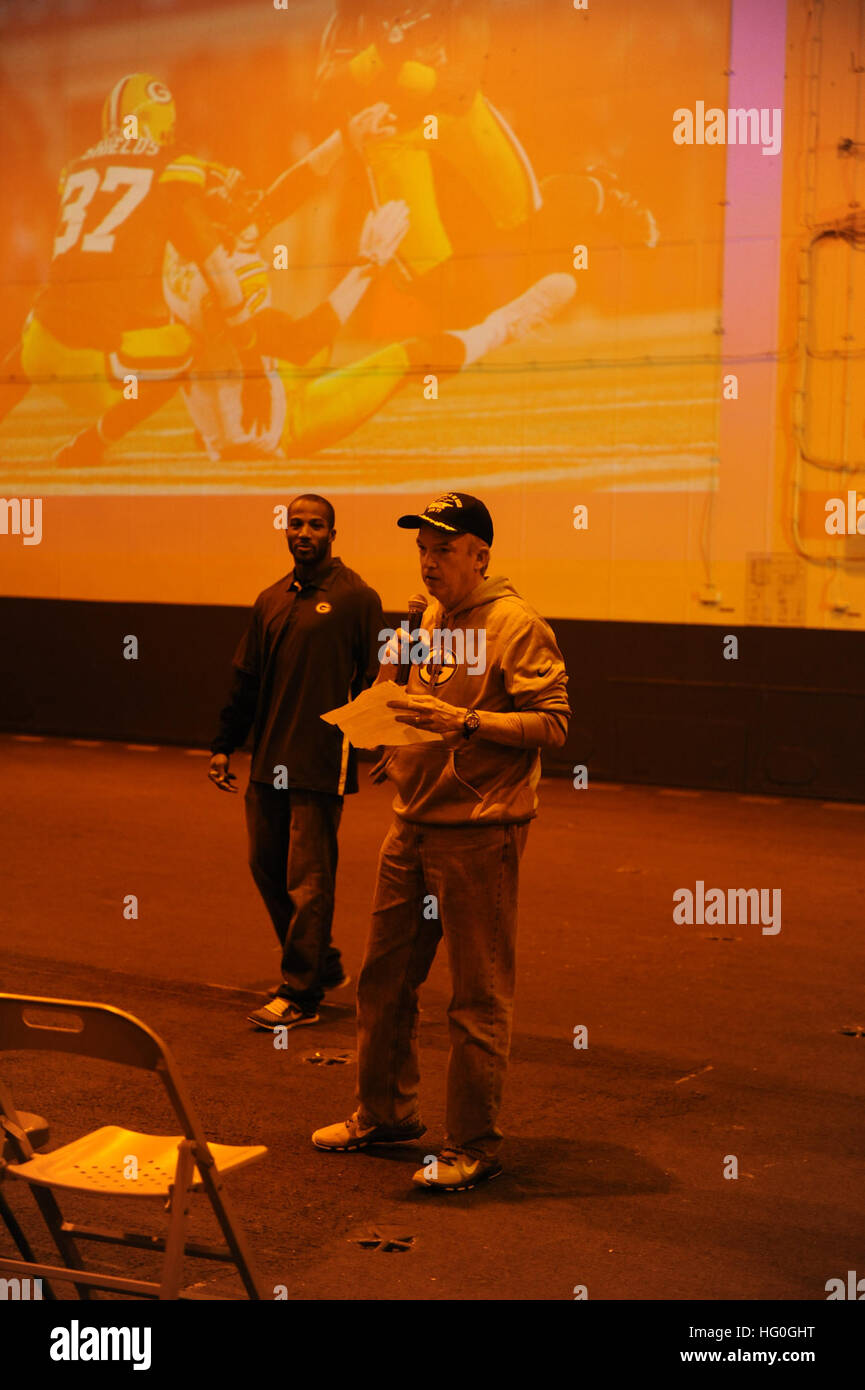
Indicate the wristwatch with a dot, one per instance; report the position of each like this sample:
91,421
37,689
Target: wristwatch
471,723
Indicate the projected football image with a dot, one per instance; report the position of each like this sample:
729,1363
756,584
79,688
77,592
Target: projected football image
378,248
543,253
419,227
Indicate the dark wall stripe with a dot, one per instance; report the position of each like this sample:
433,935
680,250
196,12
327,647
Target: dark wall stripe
652,703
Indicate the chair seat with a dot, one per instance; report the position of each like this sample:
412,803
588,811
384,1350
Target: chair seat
100,1162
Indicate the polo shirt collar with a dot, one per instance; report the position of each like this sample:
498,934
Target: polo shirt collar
321,578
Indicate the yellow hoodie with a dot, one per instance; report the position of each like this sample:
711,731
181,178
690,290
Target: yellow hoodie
463,781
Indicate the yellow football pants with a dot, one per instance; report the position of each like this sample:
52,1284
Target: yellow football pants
91,380
481,148
333,405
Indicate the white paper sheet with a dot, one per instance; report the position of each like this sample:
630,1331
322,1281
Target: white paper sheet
368,722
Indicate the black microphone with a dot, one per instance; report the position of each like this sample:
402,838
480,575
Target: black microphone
416,609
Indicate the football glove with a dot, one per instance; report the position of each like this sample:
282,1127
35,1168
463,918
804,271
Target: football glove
255,390
382,232
371,123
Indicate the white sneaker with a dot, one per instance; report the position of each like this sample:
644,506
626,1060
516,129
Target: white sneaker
452,1171
350,1135
529,311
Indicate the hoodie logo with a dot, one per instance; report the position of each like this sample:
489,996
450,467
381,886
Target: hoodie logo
440,668
438,652
323,607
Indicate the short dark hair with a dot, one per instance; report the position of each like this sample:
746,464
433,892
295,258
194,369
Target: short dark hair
314,497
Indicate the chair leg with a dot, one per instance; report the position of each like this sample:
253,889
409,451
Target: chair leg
45,1200
53,1218
234,1237
175,1244
24,1248
10,1221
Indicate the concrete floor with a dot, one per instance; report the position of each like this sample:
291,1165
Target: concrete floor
703,1042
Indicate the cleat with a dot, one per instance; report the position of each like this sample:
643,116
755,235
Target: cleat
528,312
454,1171
349,1135
281,1013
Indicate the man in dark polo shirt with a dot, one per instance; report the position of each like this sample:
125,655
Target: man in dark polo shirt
312,643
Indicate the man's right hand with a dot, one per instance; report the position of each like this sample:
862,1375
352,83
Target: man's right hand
378,773
219,774
389,667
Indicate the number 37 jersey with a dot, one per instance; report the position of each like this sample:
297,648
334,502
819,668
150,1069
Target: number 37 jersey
119,203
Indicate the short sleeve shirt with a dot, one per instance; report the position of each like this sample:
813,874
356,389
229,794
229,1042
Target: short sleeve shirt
312,648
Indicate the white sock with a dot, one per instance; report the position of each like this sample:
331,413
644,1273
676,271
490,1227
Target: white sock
475,340
322,159
349,292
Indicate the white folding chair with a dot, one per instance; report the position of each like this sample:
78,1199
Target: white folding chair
117,1162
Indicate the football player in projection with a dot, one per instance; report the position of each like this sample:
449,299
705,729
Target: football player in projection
100,333
427,61
310,407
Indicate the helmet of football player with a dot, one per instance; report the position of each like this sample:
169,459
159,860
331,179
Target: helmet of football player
138,105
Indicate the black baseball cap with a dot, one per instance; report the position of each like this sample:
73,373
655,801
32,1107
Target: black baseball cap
455,512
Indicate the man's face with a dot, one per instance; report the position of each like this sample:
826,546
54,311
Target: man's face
451,566
308,533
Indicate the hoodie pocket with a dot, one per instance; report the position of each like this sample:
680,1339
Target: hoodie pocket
429,784
464,780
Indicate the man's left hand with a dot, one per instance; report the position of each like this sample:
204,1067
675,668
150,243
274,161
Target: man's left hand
426,712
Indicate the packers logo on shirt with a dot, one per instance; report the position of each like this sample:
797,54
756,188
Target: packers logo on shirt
439,669
324,607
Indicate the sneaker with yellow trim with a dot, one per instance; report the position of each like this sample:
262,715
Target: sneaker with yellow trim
281,1013
351,1135
454,1170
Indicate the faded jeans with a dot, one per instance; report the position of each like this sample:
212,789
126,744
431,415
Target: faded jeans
473,874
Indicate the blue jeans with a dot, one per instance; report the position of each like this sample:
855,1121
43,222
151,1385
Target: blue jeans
461,883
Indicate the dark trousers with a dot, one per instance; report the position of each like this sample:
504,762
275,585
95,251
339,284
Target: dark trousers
293,857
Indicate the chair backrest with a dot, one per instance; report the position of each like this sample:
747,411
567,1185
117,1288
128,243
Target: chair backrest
30,1024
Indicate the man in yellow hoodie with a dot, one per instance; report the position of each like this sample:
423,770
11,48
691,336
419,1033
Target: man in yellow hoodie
491,682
